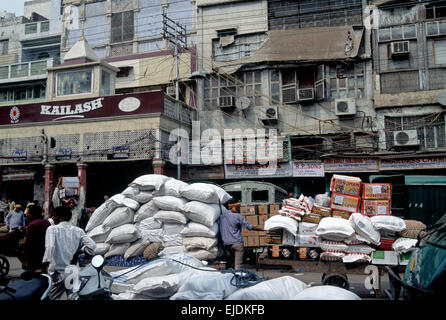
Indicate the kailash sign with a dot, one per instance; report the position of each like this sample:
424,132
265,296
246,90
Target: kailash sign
109,106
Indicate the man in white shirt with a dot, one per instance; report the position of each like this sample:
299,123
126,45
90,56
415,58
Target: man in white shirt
62,241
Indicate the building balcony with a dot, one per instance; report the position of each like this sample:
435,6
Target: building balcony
26,71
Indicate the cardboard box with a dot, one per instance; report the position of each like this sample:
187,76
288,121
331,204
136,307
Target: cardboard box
313,218
344,202
377,191
262,241
308,253
253,241
274,209
381,257
247,210
262,219
274,237
281,252
252,220
262,209
246,233
376,207
325,212
346,185
342,214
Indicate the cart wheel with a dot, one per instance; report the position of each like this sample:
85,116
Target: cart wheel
336,279
4,266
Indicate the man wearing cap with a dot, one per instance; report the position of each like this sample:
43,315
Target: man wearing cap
15,219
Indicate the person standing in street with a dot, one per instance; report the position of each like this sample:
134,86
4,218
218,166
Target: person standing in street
231,224
62,241
15,219
35,239
75,206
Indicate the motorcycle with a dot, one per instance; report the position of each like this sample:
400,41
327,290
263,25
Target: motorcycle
30,286
94,282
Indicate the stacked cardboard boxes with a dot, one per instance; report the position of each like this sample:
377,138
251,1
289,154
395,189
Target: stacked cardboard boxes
257,215
345,195
376,199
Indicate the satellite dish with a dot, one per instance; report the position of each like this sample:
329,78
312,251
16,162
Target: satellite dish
442,98
242,103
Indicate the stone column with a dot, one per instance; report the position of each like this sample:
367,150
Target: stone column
48,189
158,166
82,174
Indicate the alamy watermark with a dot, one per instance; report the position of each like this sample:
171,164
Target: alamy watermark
236,146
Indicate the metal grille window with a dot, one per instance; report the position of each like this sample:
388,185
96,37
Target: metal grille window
430,129
44,26
347,81
122,26
395,33
31,28
252,86
436,10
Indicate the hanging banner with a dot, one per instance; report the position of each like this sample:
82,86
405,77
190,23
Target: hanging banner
308,169
417,163
253,171
351,165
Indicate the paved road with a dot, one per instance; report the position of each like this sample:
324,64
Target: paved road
356,281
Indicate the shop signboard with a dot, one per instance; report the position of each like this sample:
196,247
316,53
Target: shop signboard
121,152
19,155
253,171
308,169
63,154
351,165
415,163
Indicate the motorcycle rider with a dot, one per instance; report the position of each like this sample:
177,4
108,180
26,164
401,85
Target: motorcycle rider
62,241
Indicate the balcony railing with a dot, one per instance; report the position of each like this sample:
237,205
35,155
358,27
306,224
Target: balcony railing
25,69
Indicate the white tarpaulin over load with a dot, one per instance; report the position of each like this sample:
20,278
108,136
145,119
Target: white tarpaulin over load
281,222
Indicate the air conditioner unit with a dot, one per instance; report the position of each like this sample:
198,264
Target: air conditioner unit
170,91
399,48
405,138
306,94
269,115
226,102
345,107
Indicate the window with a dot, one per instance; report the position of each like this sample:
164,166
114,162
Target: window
436,10
430,129
36,91
259,196
106,84
347,81
396,33
124,72
236,195
440,51
30,28
252,86
4,46
74,82
122,28
44,26
226,33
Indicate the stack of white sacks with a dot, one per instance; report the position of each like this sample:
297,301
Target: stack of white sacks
158,209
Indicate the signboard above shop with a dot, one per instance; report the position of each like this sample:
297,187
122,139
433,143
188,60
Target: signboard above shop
308,169
109,106
351,165
259,171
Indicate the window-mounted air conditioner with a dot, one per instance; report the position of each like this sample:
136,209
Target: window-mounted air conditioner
269,115
399,48
306,94
345,107
405,138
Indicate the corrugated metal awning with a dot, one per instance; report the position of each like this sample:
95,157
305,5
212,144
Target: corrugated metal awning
302,45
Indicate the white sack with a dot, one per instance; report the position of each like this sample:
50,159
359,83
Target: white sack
136,249
364,227
203,213
152,235
402,245
162,286
336,229
356,239
356,257
117,249
205,192
123,234
199,243
149,182
174,187
307,228
194,229
174,240
165,216
170,203
137,195
99,233
326,293
145,211
119,216
333,246
173,250
388,223
311,241
120,200
323,200
360,248
101,248
98,216
207,286
149,224
282,288
206,255
281,222
172,228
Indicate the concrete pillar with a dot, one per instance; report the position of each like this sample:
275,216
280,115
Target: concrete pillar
158,166
48,189
82,174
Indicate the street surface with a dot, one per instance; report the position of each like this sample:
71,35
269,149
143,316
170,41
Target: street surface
356,281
